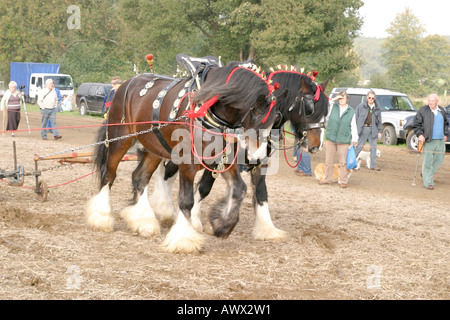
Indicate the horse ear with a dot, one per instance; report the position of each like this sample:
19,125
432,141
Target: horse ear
325,84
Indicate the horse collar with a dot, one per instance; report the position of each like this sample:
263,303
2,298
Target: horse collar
211,121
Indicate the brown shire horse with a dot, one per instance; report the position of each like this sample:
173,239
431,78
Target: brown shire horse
236,97
305,106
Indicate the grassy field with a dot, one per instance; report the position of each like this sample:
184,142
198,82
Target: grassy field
75,113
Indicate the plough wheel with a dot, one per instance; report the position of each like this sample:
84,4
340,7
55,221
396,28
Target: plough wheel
42,191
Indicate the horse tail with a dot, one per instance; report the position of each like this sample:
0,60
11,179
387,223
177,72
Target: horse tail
100,153
225,215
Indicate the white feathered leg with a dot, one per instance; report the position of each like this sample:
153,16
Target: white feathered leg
264,228
161,197
196,213
182,237
98,213
141,218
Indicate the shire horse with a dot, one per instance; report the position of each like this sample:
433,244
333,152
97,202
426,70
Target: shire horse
145,108
305,106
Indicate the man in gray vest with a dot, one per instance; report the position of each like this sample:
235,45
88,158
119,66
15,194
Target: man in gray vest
369,125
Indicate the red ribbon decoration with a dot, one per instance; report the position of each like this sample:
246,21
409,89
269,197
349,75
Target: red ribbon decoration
317,95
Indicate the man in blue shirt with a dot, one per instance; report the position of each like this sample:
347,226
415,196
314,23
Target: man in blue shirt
431,127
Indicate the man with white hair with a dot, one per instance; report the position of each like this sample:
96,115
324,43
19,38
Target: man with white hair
431,127
47,101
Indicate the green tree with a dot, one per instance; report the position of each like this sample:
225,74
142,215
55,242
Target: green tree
38,32
310,35
404,52
270,31
436,63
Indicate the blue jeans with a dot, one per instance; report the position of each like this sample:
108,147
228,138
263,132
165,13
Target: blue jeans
305,162
48,115
367,135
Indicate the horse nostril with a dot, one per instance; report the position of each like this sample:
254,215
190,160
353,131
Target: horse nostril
314,149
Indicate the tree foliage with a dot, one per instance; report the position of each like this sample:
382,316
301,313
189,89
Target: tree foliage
416,64
404,51
116,35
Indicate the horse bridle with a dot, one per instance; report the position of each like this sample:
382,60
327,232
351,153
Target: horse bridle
304,100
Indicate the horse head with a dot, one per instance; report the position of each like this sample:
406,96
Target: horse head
306,108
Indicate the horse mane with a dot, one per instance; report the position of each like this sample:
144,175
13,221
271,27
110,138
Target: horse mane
291,80
241,90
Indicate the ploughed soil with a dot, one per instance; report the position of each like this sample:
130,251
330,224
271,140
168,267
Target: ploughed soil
381,238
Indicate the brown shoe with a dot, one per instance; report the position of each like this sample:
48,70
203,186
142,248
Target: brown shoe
430,187
322,182
44,138
343,185
57,137
302,174
375,168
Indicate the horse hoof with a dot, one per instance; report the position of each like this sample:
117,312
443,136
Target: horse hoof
149,229
98,213
182,238
100,222
271,235
144,226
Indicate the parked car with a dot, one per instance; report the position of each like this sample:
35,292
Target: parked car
90,97
395,109
411,138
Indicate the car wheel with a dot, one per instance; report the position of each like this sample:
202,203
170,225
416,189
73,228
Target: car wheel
412,141
389,137
83,108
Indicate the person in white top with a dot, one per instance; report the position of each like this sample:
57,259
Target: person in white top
11,103
47,101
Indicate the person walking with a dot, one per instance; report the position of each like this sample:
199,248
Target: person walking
341,131
10,103
369,125
47,101
431,127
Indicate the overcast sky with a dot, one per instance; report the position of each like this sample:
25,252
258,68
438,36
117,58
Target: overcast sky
434,15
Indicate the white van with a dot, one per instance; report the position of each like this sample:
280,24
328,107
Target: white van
63,82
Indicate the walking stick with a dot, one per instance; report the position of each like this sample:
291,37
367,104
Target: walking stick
26,115
419,152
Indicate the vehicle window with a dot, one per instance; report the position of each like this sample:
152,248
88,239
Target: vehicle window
92,90
355,99
447,110
394,103
101,91
62,82
39,83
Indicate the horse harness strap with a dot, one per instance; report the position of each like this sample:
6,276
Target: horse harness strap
156,113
